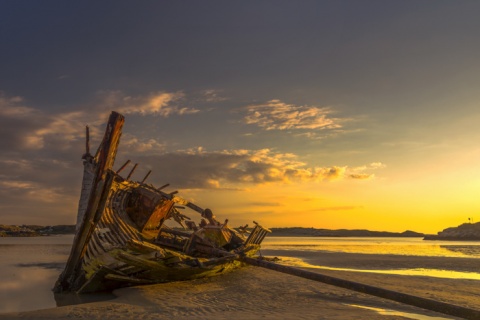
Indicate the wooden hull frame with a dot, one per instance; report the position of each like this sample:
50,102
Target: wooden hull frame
123,242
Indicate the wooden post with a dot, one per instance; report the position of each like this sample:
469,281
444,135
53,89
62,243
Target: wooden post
150,171
163,187
420,302
131,172
123,167
87,140
87,156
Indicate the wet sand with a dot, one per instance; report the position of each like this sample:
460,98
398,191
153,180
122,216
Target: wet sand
255,293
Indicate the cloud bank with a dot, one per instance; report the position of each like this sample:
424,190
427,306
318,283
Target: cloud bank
197,168
40,165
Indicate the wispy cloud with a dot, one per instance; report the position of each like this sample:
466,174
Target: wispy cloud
338,208
213,95
60,129
14,107
162,104
278,115
30,190
131,143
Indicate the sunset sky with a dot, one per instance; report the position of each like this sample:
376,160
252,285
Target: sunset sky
326,114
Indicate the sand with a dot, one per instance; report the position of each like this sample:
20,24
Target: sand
256,293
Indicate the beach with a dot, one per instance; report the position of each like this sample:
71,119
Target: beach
257,293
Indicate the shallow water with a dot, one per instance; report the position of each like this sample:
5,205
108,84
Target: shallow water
30,266
434,273
395,246
379,246
388,312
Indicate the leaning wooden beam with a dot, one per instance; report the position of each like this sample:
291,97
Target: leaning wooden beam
116,277
102,181
420,302
132,171
163,187
143,181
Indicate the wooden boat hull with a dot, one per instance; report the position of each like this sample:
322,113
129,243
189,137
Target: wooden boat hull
121,239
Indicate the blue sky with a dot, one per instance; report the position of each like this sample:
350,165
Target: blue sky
366,110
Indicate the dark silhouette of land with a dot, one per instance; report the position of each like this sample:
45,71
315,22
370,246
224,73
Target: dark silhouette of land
464,232
312,232
34,230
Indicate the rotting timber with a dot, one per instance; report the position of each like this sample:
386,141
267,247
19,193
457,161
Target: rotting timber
121,237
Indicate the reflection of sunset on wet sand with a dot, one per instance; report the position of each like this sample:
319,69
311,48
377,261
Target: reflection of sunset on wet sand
391,246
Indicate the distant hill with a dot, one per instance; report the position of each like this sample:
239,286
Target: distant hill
34,230
312,232
466,231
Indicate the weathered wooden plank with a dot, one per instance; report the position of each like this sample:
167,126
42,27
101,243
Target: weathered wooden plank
145,247
116,277
420,302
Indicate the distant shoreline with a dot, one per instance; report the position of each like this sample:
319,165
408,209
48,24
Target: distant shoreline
313,232
436,237
38,231
35,230
464,232
450,234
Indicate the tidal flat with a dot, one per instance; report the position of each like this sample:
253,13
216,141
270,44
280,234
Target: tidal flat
252,292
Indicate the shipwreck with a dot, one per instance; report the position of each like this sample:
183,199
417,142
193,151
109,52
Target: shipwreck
121,237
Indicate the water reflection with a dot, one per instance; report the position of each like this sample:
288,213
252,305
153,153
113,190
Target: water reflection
388,312
393,246
464,250
29,269
45,265
435,273
67,299
25,289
